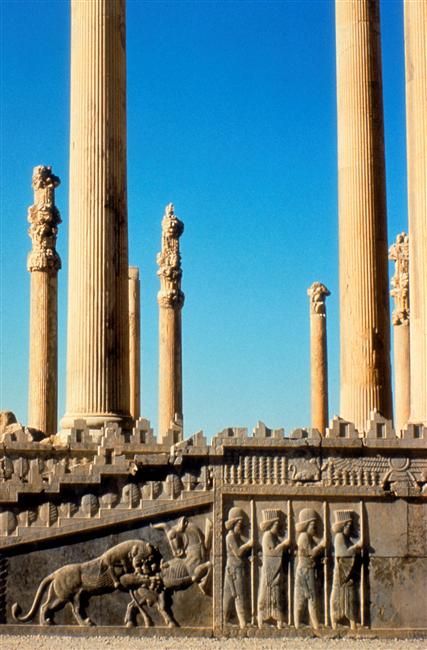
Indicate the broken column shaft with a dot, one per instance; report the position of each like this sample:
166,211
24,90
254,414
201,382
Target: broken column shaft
43,265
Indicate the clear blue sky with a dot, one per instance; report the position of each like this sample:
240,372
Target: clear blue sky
232,117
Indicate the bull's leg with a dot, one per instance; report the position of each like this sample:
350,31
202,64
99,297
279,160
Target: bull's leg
132,611
162,609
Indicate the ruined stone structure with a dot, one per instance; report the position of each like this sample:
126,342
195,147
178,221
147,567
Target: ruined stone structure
98,313
319,356
416,139
365,381
399,253
43,265
171,301
134,344
261,534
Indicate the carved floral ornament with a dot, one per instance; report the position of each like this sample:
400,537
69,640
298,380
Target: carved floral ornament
44,219
169,261
399,253
318,293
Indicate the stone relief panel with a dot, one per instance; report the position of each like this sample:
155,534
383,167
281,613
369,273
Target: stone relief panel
157,574
294,563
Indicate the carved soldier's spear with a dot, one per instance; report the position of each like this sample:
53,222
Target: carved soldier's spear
252,560
325,564
362,569
290,564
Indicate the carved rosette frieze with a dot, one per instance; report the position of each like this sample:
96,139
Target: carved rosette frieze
44,219
399,253
169,261
318,293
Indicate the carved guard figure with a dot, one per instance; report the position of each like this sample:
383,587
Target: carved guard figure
270,605
343,595
305,583
234,582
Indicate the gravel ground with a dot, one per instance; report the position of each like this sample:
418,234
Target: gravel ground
126,643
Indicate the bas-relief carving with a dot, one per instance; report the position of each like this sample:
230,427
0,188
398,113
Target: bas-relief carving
134,566
44,219
236,552
271,587
308,549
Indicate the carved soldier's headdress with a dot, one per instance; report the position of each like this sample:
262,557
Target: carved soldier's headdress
305,517
269,515
342,517
233,517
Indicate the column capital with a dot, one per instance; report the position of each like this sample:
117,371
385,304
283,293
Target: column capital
44,219
399,253
169,261
318,293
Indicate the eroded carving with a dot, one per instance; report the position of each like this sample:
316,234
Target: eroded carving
169,261
318,293
44,219
399,253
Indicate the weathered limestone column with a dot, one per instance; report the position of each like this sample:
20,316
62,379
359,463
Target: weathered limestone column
399,253
416,138
171,300
98,302
319,356
364,307
43,265
134,343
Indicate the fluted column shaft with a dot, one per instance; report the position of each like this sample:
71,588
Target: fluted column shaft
416,138
43,265
319,356
171,300
364,309
98,307
134,343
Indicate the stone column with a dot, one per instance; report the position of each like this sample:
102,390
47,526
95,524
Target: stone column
364,301
134,343
399,253
319,356
98,302
416,139
171,300
43,265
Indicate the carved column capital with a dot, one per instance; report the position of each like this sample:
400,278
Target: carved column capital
399,253
318,293
44,219
169,261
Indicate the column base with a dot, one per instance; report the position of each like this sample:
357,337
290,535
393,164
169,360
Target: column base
93,422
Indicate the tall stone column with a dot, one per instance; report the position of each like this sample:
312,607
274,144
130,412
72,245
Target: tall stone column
319,356
171,301
416,139
43,265
364,306
98,302
134,343
399,253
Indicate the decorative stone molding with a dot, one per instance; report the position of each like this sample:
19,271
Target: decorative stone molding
318,293
44,219
169,261
399,253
